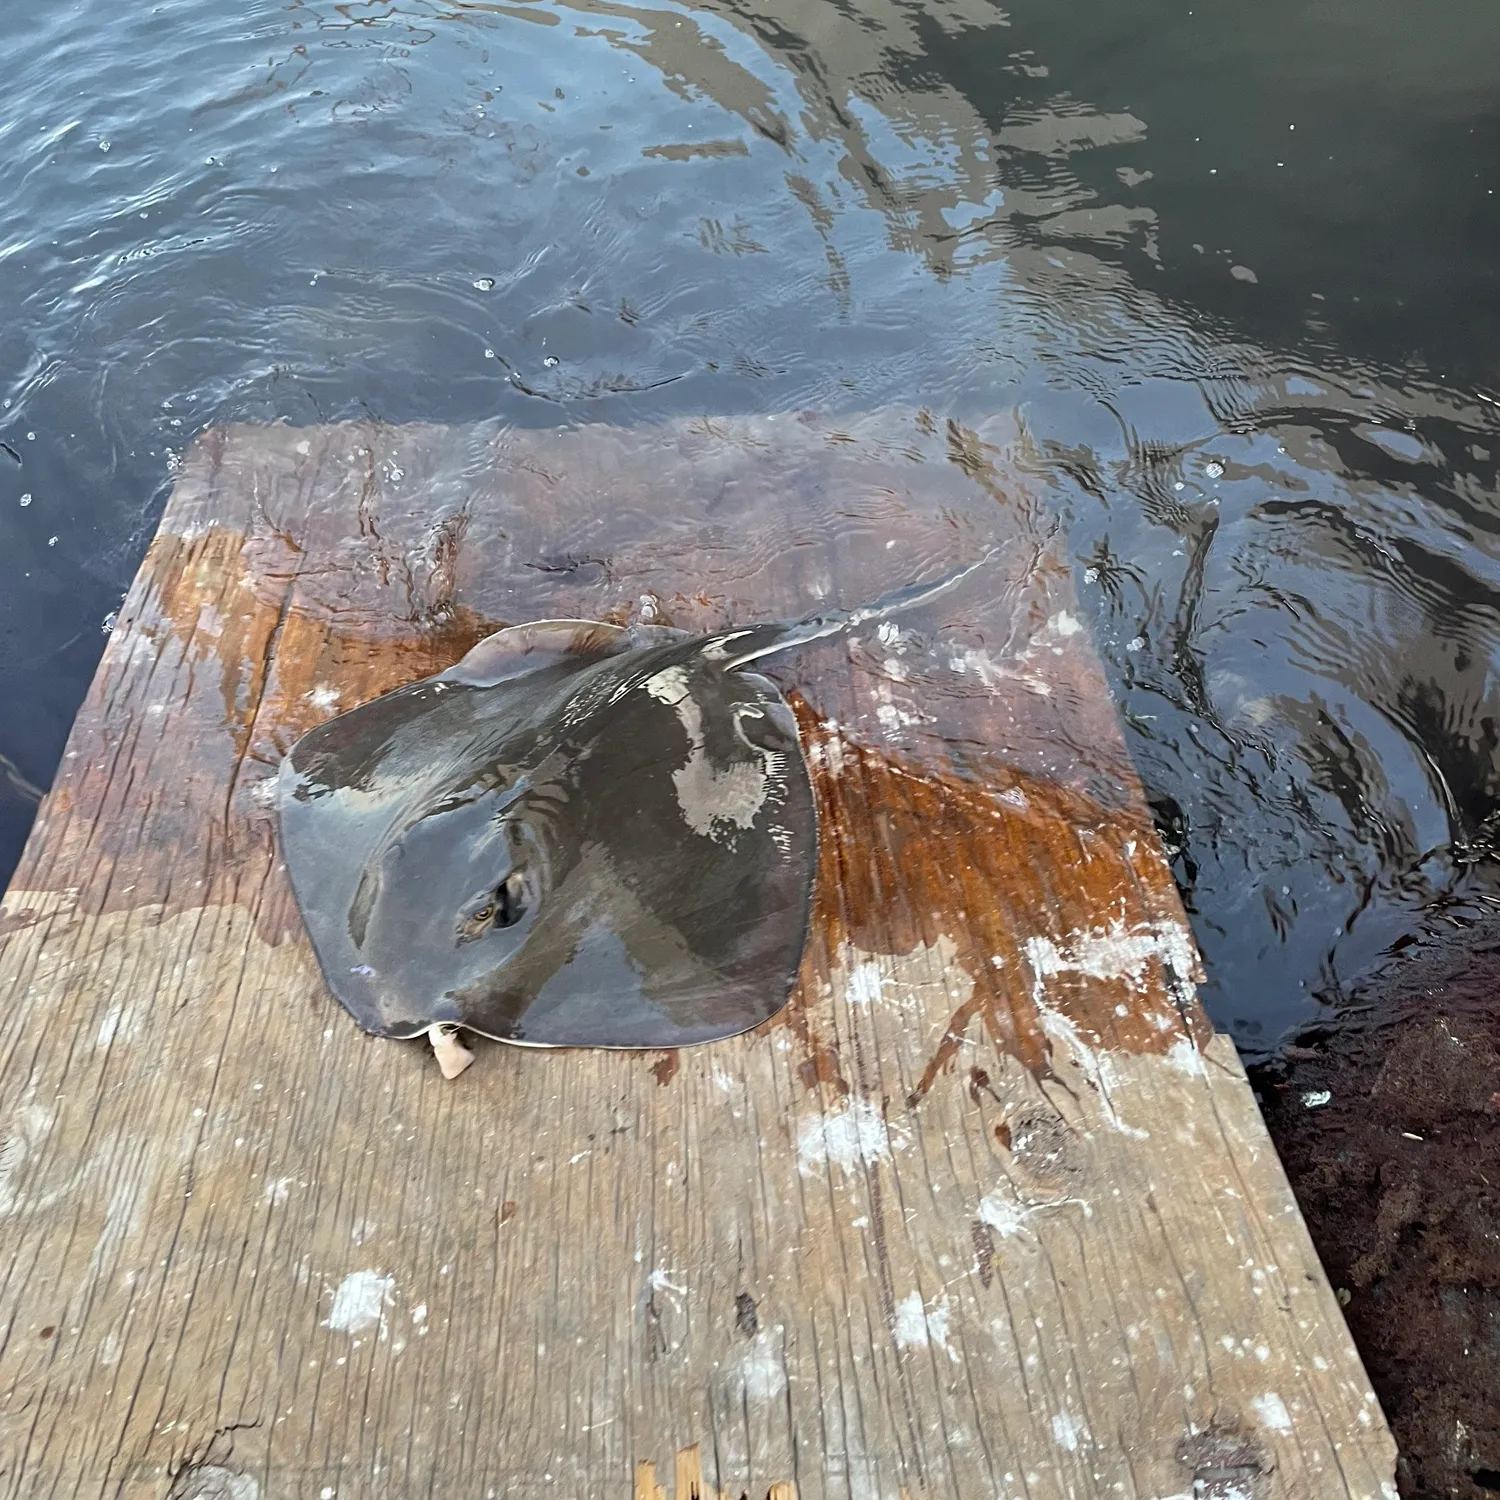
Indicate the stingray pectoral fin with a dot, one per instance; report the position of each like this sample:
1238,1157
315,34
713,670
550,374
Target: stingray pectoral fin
520,650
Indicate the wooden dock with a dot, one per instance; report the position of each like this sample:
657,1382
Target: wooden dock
987,1211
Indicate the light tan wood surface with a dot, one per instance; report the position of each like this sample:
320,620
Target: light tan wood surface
987,1211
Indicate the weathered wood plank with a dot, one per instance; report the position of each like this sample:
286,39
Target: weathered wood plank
986,1211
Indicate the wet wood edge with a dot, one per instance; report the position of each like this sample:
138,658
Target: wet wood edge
986,1208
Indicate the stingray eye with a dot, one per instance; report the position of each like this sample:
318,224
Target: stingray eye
483,916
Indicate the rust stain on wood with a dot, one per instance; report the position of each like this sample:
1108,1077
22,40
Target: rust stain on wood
821,1064
236,599
910,855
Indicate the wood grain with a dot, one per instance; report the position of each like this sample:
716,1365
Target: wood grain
987,1210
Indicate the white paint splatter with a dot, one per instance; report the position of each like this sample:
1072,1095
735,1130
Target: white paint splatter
277,1190
911,1322
131,646
829,751
865,984
892,716
916,1326
763,1373
360,1302
1097,1065
120,1021
1008,1217
852,1135
1064,624
210,621
1184,1055
1116,952
661,1281
1316,1098
1068,1430
937,1326
323,697
1003,1215
979,663
1271,1410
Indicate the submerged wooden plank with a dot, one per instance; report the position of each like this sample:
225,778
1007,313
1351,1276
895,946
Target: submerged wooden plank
987,1210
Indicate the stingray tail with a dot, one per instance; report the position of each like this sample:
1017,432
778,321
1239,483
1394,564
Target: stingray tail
739,647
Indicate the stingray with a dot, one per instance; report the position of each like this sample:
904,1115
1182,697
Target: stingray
581,834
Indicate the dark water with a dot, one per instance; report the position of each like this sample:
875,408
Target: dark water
1234,265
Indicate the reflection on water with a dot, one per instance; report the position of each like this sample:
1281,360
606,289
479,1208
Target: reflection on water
1232,273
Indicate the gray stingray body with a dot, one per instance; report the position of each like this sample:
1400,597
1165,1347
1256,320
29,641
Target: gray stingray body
580,835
